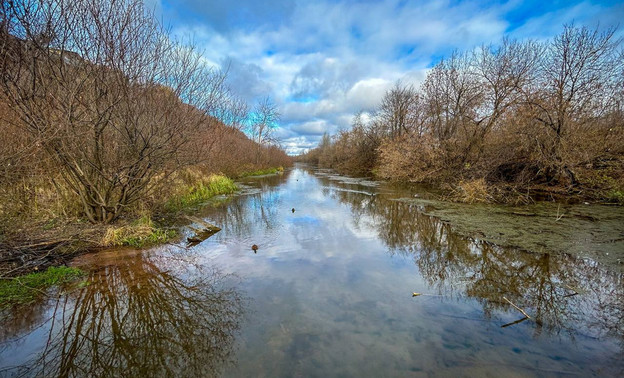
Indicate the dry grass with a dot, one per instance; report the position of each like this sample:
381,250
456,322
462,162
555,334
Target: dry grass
473,191
138,234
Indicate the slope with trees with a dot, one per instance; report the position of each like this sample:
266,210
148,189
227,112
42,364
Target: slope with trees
103,113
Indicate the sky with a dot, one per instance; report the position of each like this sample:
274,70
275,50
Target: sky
323,61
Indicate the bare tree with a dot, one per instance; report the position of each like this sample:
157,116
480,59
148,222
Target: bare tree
110,97
452,98
399,112
503,72
578,79
452,95
263,121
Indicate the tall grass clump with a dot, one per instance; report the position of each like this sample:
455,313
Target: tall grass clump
262,172
473,191
138,234
196,189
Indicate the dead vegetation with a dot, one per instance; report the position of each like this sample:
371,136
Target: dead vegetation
103,116
523,119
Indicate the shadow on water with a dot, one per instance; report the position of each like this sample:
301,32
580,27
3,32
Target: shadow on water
135,315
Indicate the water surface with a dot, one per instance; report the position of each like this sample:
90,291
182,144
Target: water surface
328,293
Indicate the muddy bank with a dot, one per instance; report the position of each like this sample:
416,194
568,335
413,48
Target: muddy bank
585,231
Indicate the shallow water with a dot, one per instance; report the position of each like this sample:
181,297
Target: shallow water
328,293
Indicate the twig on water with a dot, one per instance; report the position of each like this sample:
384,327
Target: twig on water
426,295
516,322
558,216
517,308
575,291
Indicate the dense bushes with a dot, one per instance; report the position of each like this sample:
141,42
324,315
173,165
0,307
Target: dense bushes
520,116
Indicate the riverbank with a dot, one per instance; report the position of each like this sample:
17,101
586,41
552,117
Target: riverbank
54,242
596,186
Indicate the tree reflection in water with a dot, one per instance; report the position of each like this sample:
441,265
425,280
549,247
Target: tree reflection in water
544,284
133,318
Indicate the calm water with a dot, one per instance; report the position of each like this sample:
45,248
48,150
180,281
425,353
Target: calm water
328,293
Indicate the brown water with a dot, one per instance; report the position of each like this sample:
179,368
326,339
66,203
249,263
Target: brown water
328,293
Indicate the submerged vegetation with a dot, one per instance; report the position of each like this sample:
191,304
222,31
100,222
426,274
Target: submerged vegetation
507,122
25,288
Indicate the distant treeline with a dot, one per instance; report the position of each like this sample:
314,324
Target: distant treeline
519,117
101,110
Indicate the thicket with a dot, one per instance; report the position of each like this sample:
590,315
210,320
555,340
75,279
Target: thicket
104,117
502,122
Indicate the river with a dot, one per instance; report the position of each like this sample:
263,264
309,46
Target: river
351,278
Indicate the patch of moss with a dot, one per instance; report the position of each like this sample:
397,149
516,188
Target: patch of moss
25,288
615,196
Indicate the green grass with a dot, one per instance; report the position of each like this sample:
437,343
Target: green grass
25,288
615,196
200,192
157,236
261,172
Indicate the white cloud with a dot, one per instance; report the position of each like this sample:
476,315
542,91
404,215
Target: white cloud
318,127
323,61
366,94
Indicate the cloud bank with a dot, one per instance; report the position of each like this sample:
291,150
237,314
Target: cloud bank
322,61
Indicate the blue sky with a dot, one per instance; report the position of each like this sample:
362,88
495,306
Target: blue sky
322,61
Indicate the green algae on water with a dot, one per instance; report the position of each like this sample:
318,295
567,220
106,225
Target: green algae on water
585,231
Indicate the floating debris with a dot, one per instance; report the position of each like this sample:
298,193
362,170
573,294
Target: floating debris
513,323
194,240
517,308
574,290
207,230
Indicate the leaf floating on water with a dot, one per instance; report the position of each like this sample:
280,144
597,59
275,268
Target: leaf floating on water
416,294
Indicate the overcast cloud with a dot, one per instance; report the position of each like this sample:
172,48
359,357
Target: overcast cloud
322,61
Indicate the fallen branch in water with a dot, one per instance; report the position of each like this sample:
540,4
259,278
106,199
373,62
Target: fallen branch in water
575,291
426,295
516,322
207,225
517,308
